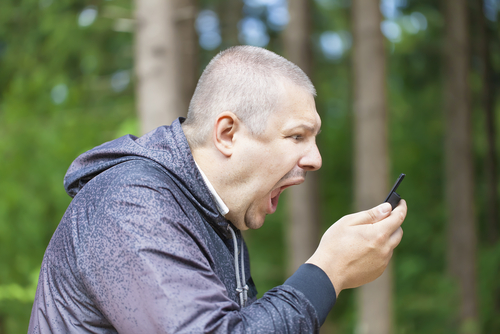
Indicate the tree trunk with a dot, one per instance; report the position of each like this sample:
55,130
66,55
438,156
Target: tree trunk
459,162
371,152
188,48
231,11
159,94
488,106
303,227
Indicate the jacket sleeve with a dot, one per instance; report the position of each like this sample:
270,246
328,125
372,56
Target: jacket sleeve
148,271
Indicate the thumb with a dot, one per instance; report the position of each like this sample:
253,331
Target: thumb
371,216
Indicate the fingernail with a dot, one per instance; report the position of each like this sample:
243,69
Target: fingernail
384,208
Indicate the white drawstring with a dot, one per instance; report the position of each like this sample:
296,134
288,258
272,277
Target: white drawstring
244,281
242,290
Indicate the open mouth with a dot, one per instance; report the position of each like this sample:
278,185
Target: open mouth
291,179
275,195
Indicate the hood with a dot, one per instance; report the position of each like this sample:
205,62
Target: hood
168,147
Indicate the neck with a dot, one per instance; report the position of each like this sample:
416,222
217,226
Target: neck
217,169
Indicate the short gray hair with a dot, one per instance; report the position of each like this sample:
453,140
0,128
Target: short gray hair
246,80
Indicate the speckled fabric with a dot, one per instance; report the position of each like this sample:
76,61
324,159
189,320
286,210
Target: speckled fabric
142,248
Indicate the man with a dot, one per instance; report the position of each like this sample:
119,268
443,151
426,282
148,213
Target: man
151,242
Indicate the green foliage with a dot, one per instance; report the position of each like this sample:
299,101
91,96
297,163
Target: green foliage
42,47
19,293
425,297
45,55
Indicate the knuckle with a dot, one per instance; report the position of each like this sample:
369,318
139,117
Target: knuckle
387,259
384,252
348,217
380,238
386,256
371,216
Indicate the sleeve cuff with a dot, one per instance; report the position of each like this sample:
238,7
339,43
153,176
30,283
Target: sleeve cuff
316,286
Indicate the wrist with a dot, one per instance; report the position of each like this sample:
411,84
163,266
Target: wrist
331,272
316,286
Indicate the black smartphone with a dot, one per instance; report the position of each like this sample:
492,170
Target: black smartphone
393,198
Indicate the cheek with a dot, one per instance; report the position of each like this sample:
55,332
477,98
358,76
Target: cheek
270,161
281,156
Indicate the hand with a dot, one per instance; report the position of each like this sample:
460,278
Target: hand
357,248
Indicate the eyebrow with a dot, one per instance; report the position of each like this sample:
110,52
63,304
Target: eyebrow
307,128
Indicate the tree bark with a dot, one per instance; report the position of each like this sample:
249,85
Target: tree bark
158,88
371,149
297,40
188,48
231,11
459,161
302,201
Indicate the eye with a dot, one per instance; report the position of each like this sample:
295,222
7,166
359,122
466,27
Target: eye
297,137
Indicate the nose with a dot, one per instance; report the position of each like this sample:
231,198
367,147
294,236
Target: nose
311,160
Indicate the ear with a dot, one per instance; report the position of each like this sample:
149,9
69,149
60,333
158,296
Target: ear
226,126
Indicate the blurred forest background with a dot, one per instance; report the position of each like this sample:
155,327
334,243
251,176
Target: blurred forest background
403,86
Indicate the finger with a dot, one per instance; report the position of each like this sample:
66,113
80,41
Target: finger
371,216
394,221
402,203
395,238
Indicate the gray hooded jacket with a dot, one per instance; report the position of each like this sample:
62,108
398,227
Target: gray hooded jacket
142,248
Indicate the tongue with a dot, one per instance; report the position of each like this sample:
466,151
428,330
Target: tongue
273,201
275,192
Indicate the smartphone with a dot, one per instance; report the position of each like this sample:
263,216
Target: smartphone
393,198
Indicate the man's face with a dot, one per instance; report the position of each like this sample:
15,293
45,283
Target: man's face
278,158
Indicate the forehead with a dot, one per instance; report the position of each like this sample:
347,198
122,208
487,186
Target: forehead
297,110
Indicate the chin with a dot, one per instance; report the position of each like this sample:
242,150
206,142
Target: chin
254,223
